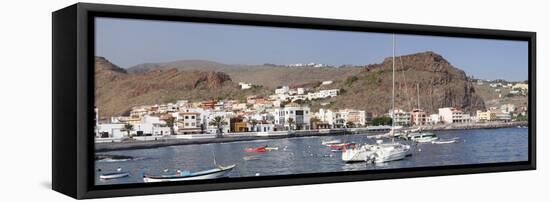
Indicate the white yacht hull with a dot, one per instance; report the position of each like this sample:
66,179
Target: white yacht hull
424,140
377,153
359,154
393,156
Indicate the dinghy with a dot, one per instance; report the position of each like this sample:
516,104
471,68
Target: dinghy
330,142
113,175
444,141
219,172
340,146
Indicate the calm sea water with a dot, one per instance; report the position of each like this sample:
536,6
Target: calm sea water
307,155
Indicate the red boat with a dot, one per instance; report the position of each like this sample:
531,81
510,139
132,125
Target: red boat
340,146
256,149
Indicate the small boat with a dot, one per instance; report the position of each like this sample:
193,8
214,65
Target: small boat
113,175
330,142
340,146
423,137
256,149
444,141
220,171
271,148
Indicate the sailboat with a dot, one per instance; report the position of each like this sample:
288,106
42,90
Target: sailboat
380,152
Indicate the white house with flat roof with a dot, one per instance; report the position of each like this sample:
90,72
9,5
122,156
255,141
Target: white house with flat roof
453,115
299,114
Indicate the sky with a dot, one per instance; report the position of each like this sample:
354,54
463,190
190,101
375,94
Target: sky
128,42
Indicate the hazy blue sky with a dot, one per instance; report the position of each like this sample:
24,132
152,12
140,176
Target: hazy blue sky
130,42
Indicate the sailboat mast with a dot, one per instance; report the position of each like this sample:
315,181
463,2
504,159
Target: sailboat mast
417,96
393,84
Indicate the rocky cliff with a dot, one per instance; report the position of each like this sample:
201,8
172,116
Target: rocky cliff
439,85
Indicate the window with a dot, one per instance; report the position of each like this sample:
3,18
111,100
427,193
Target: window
186,117
186,124
192,117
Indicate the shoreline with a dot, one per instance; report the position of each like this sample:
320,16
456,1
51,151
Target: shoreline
135,145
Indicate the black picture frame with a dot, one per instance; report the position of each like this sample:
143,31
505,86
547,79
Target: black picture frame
73,98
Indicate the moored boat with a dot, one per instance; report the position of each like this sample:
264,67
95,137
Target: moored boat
389,152
340,146
444,141
331,142
220,171
256,149
376,153
423,137
113,175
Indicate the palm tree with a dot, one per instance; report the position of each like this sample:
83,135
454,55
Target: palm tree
128,128
314,121
290,122
253,122
219,122
170,123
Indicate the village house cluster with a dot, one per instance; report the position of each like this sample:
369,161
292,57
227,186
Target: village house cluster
450,115
508,88
277,112
267,114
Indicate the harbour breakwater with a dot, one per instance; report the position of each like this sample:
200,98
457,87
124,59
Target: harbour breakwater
250,136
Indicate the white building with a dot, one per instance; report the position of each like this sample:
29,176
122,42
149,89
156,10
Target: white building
151,126
282,90
453,115
188,122
245,86
299,115
341,118
326,82
322,94
400,117
507,108
434,119
111,130
326,116
521,86
357,117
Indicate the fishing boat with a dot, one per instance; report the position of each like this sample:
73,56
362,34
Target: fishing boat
423,137
113,175
219,172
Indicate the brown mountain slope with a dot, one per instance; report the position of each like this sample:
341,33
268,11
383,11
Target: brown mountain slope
117,91
439,85
264,75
